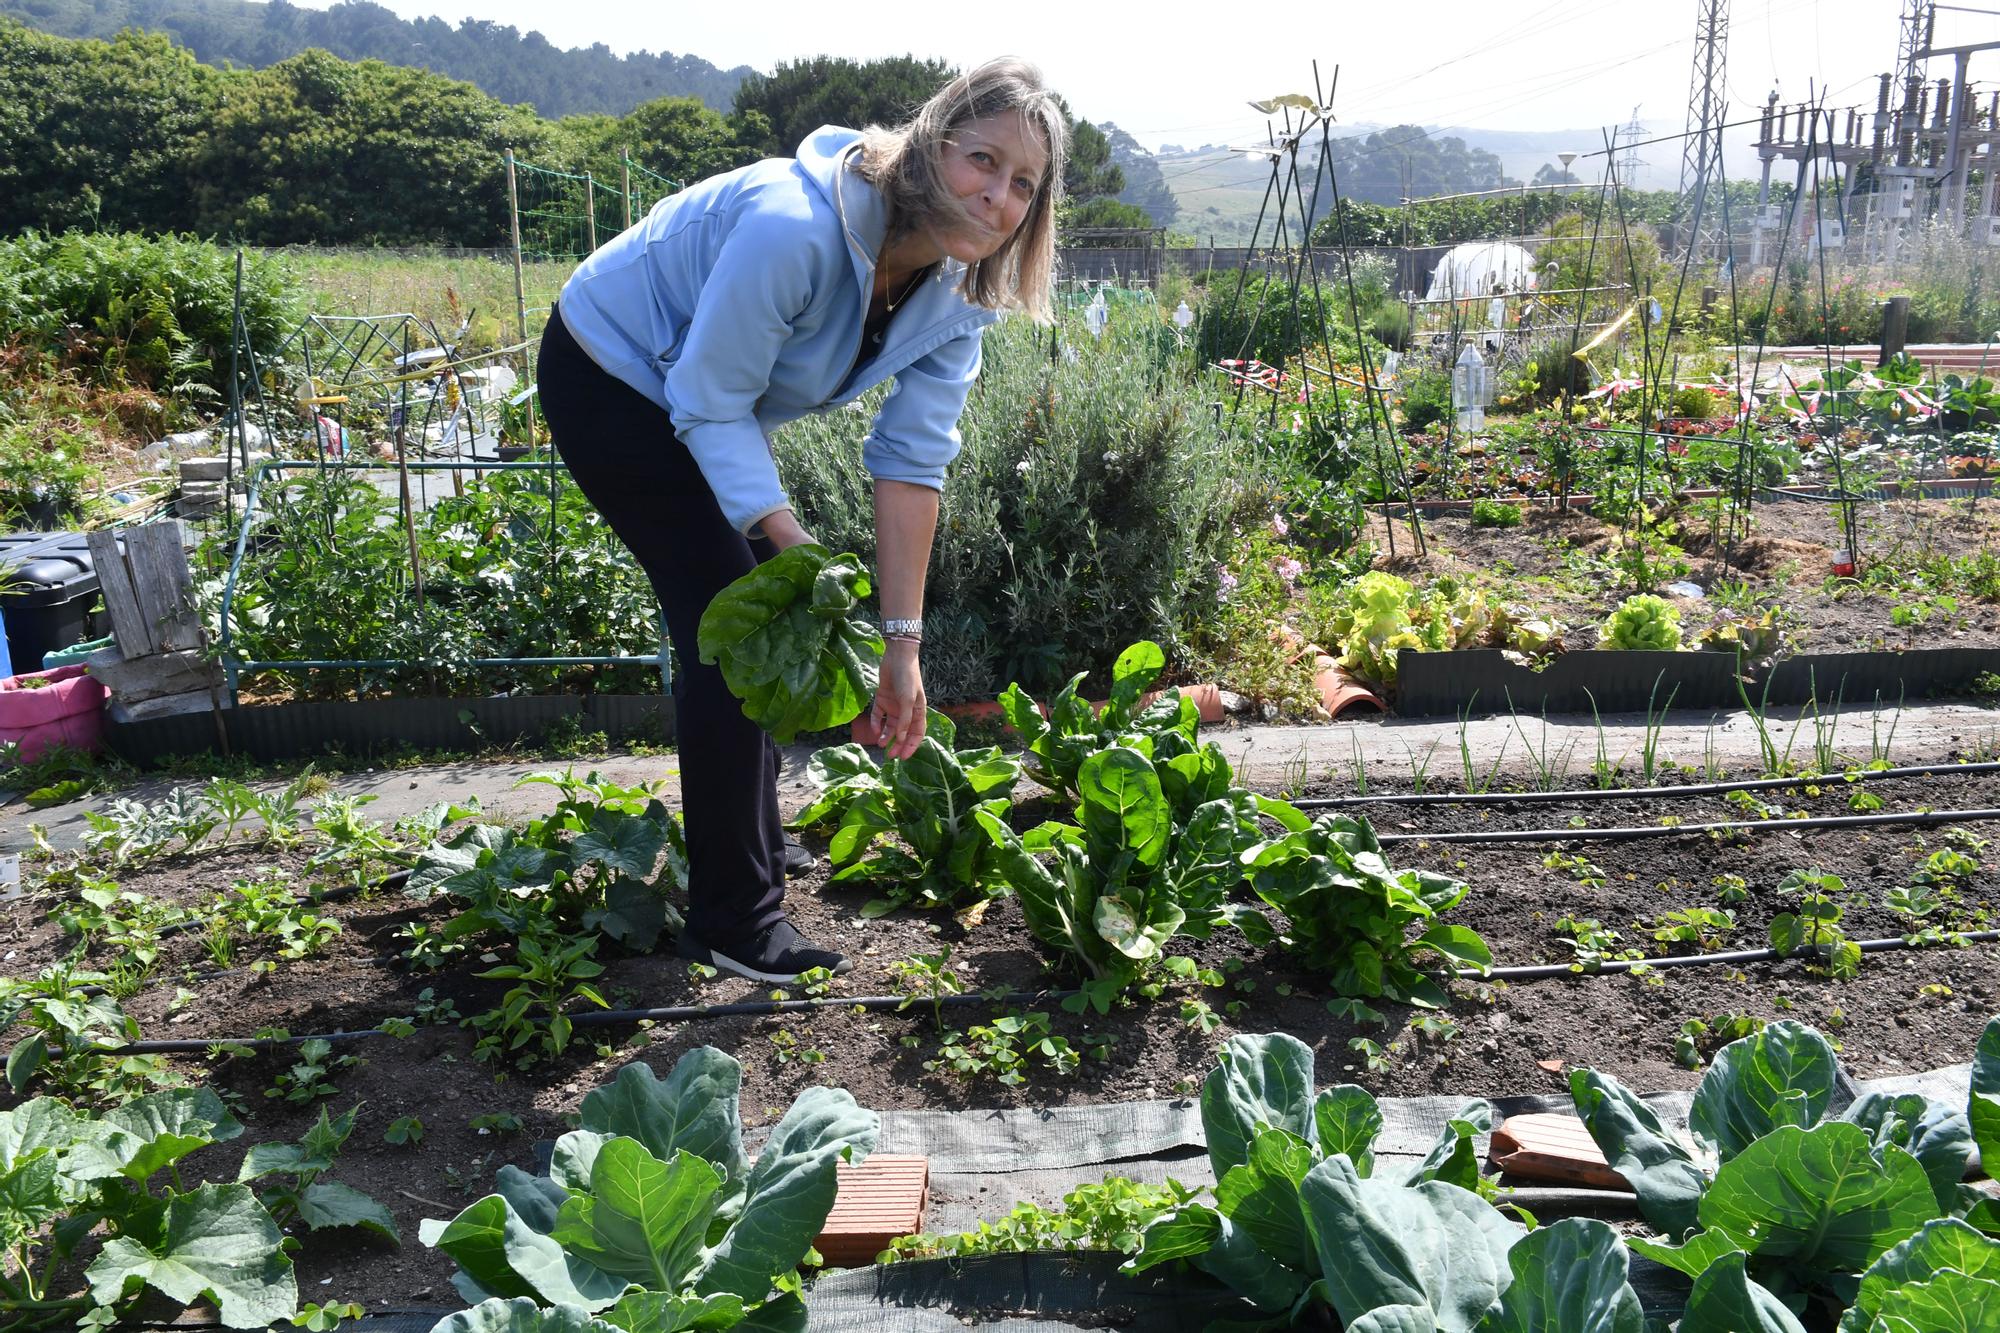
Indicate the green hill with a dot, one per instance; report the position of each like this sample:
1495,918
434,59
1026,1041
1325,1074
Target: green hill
511,65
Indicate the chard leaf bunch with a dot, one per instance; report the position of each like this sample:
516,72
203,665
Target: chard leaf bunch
791,643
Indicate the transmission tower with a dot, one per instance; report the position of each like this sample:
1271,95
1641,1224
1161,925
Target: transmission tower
1701,150
1628,166
1919,16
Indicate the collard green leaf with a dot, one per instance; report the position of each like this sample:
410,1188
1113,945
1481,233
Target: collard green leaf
784,1313
1660,1170
1187,1231
666,1312
1937,1135
642,1219
1261,1081
1943,1243
789,1193
1726,1300
1986,1060
1571,1276
1818,1199
1947,1302
1396,1319
788,643
1452,1158
521,1315
1347,1120
1236,1261
217,1244
499,1254
693,1109
1262,1197
1382,1244
1781,1075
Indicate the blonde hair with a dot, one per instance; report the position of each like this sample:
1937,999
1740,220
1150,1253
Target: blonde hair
907,165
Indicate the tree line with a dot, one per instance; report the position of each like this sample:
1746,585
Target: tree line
513,66
136,133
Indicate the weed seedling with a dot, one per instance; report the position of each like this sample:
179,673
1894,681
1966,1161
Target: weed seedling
404,1129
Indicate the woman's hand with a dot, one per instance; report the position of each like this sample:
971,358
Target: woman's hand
781,528
896,721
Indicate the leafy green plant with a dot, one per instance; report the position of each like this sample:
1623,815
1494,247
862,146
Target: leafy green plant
1495,514
63,1176
1131,876
1305,1230
1776,1203
652,1216
1593,943
404,1130
1054,747
1348,912
529,1023
1642,621
1814,927
909,825
1005,1049
292,1184
588,865
310,1077
926,978
1112,1215
1704,927
75,1030
790,645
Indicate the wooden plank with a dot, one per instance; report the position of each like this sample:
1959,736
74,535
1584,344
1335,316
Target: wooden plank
160,577
114,580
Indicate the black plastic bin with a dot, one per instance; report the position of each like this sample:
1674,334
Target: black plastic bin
50,587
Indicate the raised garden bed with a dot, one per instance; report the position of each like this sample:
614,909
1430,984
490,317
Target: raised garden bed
1900,1011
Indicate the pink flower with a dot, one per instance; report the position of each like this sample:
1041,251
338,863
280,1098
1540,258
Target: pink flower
1288,569
1279,526
1225,584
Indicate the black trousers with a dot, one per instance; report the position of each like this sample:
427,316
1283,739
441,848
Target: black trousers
621,449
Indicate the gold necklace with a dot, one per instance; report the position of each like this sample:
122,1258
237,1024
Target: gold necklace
888,306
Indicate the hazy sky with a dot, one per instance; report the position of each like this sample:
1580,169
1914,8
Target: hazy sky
1182,74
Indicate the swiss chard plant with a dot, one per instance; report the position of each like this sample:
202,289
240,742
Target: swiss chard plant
1127,877
1057,744
1350,913
791,644
909,826
1779,1204
653,1218
1305,1228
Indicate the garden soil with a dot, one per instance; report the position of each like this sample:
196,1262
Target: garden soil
1547,563
1903,1011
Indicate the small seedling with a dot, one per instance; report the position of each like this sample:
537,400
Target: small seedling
404,1129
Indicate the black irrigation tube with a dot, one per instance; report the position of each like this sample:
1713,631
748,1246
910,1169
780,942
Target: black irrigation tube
696,1013
1920,819
1543,971
1672,792
675,1013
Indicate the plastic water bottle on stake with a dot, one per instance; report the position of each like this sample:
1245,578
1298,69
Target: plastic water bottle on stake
1469,391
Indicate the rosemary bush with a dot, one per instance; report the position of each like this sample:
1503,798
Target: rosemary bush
1091,506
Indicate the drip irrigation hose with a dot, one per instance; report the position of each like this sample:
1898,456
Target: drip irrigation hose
1545,971
1674,792
1918,819
697,1013
598,1018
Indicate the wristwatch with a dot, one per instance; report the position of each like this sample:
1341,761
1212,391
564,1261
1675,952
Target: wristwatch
903,629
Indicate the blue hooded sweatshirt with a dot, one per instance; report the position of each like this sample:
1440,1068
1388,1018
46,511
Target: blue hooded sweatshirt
737,305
